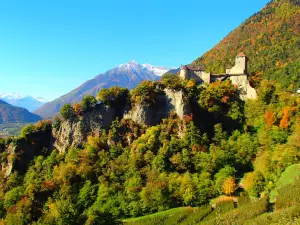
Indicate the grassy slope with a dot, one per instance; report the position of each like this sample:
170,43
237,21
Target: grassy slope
287,177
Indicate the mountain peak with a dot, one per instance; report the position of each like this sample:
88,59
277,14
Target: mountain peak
133,62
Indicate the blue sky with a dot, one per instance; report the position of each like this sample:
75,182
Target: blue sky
50,47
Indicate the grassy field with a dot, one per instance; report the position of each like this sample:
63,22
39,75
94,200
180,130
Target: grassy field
182,215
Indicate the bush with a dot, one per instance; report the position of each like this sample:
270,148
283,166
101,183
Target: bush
67,112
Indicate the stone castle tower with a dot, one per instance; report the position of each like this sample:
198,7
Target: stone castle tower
240,66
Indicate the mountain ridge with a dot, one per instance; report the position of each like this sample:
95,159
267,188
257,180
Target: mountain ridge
14,114
127,75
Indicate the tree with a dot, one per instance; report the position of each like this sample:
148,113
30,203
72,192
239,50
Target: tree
284,122
77,109
229,186
144,93
218,96
269,118
222,175
266,91
170,80
254,183
27,130
88,103
113,96
67,112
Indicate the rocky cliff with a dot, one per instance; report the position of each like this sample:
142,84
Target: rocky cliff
17,153
72,133
169,100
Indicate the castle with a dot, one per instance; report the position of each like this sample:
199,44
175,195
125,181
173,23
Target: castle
237,75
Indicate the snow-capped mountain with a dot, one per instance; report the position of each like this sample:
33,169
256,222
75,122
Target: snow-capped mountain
25,101
157,70
127,75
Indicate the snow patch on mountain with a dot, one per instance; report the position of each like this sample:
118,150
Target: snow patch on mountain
156,70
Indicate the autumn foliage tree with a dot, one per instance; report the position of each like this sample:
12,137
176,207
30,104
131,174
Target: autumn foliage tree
284,122
269,118
229,186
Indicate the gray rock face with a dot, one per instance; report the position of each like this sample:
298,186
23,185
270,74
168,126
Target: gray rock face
170,101
177,101
7,164
74,133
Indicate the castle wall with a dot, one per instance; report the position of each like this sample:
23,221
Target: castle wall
199,76
184,74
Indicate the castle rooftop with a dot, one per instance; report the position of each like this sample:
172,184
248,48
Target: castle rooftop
241,54
193,68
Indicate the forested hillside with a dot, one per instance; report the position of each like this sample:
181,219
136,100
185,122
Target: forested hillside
130,169
207,158
271,41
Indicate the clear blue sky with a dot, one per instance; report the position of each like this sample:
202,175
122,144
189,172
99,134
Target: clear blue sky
49,47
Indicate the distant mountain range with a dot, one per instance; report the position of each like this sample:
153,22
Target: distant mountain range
127,75
14,114
25,101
